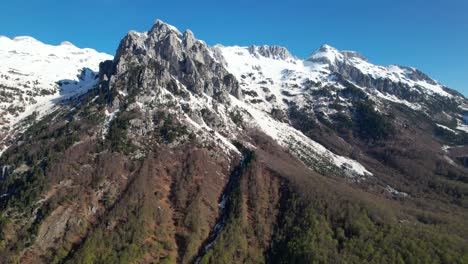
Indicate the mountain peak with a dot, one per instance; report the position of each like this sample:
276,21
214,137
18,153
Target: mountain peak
330,55
189,148
26,39
326,47
67,43
185,59
325,54
272,52
160,25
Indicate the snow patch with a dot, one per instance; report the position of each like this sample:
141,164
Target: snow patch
447,128
395,192
286,135
42,75
107,121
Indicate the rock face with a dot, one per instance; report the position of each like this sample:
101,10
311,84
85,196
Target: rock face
272,52
164,55
405,83
185,153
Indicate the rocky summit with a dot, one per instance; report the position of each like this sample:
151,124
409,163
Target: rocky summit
174,151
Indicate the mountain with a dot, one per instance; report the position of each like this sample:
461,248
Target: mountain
178,152
35,76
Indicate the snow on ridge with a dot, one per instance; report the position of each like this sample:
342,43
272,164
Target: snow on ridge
45,64
330,55
462,126
447,128
319,68
37,76
326,52
286,135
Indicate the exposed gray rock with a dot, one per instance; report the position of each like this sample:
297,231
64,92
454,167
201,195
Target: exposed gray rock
352,54
416,75
273,52
155,59
343,64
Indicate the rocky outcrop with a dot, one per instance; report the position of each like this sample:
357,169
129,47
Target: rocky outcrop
272,52
164,55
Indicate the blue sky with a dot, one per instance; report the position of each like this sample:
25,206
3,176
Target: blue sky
431,35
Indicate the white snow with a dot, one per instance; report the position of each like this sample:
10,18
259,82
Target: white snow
40,75
32,66
46,64
286,79
257,72
447,128
445,148
395,192
107,121
279,76
328,55
295,140
263,77
463,126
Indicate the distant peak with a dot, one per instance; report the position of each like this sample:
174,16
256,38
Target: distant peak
188,38
353,54
325,54
326,47
273,52
26,39
67,43
160,25
329,54
188,32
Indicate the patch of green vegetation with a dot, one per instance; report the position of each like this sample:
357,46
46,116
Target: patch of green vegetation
232,245
125,236
117,135
301,120
43,144
353,92
369,124
342,123
414,117
450,137
346,232
324,120
169,129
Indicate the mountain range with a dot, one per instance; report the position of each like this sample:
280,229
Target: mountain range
174,151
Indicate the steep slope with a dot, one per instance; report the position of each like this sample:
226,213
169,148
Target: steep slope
185,153
350,106
35,76
271,79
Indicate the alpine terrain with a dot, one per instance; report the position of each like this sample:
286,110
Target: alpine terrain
173,151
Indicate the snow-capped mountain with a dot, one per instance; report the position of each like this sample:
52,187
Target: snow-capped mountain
205,95
265,66
178,152
271,80
35,76
264,82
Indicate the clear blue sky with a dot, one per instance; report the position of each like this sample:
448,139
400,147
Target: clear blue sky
431,35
